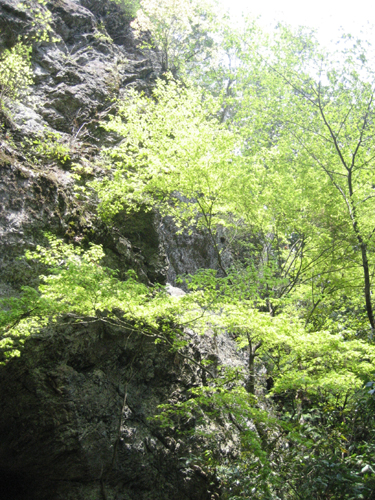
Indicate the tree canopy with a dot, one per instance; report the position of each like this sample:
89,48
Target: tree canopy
276,150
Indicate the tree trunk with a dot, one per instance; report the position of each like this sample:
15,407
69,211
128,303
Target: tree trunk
250,385
363,247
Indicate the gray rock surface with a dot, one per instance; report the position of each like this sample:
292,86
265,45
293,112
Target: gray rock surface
75,425
174,291
190,250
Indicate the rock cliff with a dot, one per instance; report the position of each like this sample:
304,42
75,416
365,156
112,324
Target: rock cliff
74,419
76,79
75,406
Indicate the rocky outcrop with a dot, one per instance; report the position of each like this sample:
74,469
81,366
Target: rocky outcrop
192,249
83,69
74,422
91,60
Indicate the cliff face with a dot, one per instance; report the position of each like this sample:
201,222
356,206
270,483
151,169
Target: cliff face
76,79
75,406
74,418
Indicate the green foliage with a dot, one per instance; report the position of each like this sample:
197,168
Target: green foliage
317,363
19,316
309,448
182,31
172,143
48,146
294,299
41,20
288,179
15,72
130,7
101,33
319,167
15,64
76,283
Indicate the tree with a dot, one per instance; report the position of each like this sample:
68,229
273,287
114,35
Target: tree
182,30
130,7
309,117
175,155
